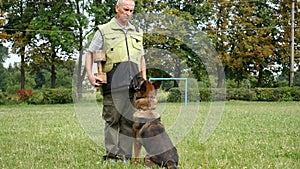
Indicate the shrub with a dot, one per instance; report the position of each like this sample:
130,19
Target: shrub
6,98
240,94
193,95
257,94
174,95
295,93
205,94
24,94
162,96
2,98
52,96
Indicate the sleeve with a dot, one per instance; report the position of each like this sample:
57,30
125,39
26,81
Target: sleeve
96,43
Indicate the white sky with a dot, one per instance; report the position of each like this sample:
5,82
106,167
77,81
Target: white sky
13,58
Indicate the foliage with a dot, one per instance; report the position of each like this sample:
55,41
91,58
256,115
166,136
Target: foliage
24,94
19,15
36,80
277,94
251,38
255,94
264,94
13,79
57,35
51,96
3,77
3,53
101,11
6,98
245,36
174,95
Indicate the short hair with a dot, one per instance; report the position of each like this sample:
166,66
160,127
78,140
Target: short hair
121,2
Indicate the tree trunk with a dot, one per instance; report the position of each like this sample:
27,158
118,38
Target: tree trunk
221,76
22,69
78,72
53,71
260,76
177,72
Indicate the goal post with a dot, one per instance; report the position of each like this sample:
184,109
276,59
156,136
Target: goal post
185,86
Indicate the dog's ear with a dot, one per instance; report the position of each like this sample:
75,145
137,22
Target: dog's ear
140,81
156,84
143,86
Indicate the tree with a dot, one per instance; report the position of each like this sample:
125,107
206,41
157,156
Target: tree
170,28
58,30
101,11
82,21
19,16
13,76
245,33
3,53
3,77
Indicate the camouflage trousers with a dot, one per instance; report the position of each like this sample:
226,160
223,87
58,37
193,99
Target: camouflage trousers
118,115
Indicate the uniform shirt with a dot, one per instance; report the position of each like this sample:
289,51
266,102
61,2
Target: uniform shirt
96,43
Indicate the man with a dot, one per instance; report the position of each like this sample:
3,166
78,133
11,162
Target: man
122,43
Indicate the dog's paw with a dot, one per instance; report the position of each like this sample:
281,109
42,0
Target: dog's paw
136,161
148,162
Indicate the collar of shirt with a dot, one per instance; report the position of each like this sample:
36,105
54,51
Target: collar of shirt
124,28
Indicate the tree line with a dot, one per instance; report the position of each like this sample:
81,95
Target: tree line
251,38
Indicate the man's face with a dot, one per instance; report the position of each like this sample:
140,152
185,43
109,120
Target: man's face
125,11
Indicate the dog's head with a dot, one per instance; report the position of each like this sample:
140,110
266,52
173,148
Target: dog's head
146,94
147,89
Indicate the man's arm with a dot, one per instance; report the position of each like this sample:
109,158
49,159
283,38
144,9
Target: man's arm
89,69
143,68
96,44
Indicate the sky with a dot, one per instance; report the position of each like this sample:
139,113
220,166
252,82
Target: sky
13,58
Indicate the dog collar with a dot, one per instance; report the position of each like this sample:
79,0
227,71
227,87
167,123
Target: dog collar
149,97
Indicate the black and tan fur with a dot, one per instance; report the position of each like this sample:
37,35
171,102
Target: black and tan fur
149,132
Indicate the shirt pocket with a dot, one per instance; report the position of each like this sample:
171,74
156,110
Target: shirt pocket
112,40
137,41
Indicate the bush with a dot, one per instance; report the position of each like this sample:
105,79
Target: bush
277,94
6,98
240,94
205,94
265,94
24,94
257,94
52,96
2,98
174,95
295,93
162,96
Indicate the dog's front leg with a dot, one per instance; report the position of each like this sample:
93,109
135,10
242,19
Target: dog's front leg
137,150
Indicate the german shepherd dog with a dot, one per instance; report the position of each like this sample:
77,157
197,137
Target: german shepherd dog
149,132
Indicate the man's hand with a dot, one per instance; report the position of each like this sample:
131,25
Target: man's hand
95,81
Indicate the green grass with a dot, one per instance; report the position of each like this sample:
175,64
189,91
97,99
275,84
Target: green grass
250,135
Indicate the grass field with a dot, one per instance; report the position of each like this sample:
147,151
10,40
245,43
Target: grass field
250,135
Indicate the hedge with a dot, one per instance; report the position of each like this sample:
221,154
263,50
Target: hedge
262,94
256,94
6,98
51,96
62,95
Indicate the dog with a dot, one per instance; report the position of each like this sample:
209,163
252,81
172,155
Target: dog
149,132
